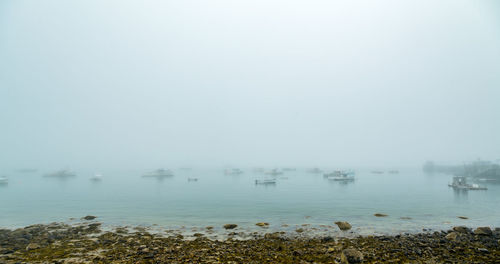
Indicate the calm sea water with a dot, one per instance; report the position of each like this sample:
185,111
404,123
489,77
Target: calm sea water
125,198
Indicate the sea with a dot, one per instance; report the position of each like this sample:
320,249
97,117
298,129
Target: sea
412,200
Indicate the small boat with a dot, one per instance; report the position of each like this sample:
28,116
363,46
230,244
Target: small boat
377,172
62,174
393,171
192,179
4,180
159,173
96,177
266,181
233,171
339,175
274,172
460,183
289,169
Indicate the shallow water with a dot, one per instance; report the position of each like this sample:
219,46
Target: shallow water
125,198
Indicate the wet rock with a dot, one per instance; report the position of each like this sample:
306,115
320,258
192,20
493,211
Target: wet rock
262,224
209,227
484,231
230,226
299,230
343,225
32,246
462,229
89,217
380,215
463,217
351,255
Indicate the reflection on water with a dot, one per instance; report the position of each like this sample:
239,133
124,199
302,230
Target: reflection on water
460,195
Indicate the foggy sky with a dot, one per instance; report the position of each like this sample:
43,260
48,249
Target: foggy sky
300,83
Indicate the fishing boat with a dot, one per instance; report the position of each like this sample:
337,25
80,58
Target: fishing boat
265,182
4,180
159,173
62,174
460,183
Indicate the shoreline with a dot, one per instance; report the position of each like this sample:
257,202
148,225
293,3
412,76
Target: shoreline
88,242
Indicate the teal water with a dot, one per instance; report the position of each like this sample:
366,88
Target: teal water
125,198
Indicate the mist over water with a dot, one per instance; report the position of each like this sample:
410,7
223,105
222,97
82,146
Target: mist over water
126,87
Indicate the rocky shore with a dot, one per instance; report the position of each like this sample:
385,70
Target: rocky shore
87,243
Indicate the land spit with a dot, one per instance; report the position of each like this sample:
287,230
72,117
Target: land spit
86,242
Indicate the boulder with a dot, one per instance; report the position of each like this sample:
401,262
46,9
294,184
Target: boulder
32,246
452,236
299,230
262,224
483,231
343,225
230,226
351,255
462,229
89,217
380,215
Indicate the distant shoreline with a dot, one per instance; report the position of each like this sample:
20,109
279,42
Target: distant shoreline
87,242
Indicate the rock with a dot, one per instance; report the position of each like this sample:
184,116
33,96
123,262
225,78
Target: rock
299,230
380,215
343,225
351,255
405,218
209,227
89,217
262,224
484,231
483,250
230,226
462,229
32,246
452,236
463,217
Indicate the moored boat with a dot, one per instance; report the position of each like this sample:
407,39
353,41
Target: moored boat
460,183
266,181
60,174
159,173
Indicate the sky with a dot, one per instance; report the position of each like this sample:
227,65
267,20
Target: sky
146,84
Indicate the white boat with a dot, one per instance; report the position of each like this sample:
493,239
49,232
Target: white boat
266,181
96,177
61,174
4,180
460,183
339,175
159,173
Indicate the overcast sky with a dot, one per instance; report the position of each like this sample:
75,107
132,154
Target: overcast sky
93,84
